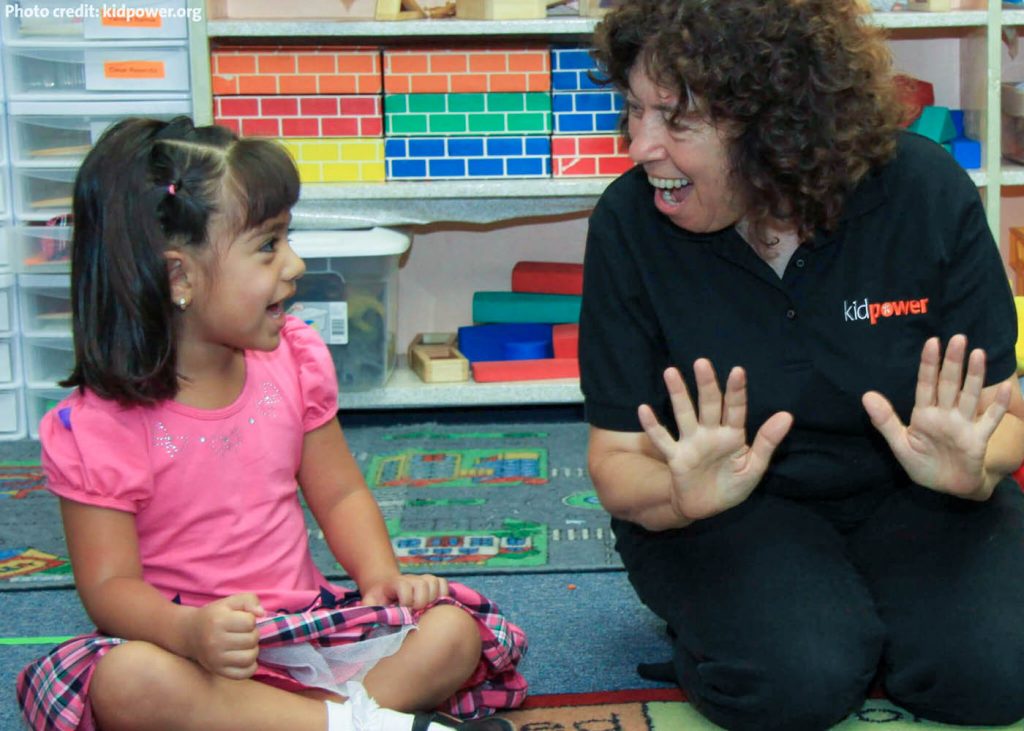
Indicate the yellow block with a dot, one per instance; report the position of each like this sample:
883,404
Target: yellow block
337,159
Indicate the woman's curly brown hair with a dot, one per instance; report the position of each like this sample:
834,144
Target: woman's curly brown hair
806,83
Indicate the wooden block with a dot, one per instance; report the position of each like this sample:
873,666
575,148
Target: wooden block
547,277
435,358
488,371
500,9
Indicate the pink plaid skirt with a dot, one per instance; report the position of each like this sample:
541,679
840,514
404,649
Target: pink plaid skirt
53,690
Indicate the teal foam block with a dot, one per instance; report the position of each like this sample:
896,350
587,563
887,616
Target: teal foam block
935,123
525,307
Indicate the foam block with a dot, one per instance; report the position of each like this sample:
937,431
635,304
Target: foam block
525,307
935,123
525,370
511,341
565,340
547,277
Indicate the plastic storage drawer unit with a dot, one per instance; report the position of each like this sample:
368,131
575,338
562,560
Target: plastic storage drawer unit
349,295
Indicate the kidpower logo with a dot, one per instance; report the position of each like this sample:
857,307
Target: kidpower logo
873,311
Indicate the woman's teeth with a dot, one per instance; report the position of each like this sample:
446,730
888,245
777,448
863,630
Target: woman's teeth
667,186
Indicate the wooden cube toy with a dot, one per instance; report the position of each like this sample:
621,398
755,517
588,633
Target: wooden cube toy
435,358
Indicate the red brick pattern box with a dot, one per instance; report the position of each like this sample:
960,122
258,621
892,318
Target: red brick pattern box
589,156
295,70
301,116
466,70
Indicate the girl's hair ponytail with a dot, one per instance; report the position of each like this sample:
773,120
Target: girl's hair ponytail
146,187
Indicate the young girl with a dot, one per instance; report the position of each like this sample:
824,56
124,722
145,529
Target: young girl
200,410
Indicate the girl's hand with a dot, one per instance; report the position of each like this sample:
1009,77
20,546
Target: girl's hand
944,446
713,469
406,590
223,637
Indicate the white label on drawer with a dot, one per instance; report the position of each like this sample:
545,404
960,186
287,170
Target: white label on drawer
6,363
329,319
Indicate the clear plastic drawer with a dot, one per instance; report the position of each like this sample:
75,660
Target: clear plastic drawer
95,70
38,402
55,133
45,305
8,305
10,361
40,249
42,193
28,21
12,413
47,360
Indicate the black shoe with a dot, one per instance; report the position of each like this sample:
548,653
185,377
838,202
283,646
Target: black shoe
422,721
659,672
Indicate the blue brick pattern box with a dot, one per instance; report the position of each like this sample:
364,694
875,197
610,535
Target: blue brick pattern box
432,158
571,70
586,112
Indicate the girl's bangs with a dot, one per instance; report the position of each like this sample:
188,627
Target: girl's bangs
266,180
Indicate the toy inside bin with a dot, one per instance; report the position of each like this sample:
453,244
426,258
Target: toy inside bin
349,295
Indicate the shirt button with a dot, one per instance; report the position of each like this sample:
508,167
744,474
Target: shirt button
799,263
791,314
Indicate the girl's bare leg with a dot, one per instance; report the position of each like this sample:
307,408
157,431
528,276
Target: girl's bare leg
433,662
138,686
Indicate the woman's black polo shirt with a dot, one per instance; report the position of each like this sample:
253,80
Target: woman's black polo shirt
913,257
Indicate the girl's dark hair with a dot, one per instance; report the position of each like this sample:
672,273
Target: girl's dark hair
806,84
127,215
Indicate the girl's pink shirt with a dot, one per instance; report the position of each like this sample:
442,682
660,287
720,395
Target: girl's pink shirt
214,492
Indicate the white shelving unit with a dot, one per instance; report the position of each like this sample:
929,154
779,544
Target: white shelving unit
974,34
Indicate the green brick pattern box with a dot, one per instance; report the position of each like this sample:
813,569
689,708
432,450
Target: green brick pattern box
526,113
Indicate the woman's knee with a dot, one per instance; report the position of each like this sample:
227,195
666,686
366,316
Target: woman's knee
807,691
982,685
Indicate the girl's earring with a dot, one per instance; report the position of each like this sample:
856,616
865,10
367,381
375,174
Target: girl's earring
182,304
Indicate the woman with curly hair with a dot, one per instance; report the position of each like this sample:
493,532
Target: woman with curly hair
786,262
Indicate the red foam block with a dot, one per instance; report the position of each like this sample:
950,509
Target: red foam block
547,277
489,371
565,339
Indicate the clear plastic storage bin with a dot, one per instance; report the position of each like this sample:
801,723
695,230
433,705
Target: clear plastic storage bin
27,21
56,133
40,249
42,193
349,294
92,70
12,413
45,305
47,360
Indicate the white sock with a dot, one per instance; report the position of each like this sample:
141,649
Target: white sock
361,713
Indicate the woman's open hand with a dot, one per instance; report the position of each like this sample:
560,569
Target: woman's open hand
944,446
713,468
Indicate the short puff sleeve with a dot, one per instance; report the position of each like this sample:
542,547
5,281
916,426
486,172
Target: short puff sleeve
96,452
318,381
